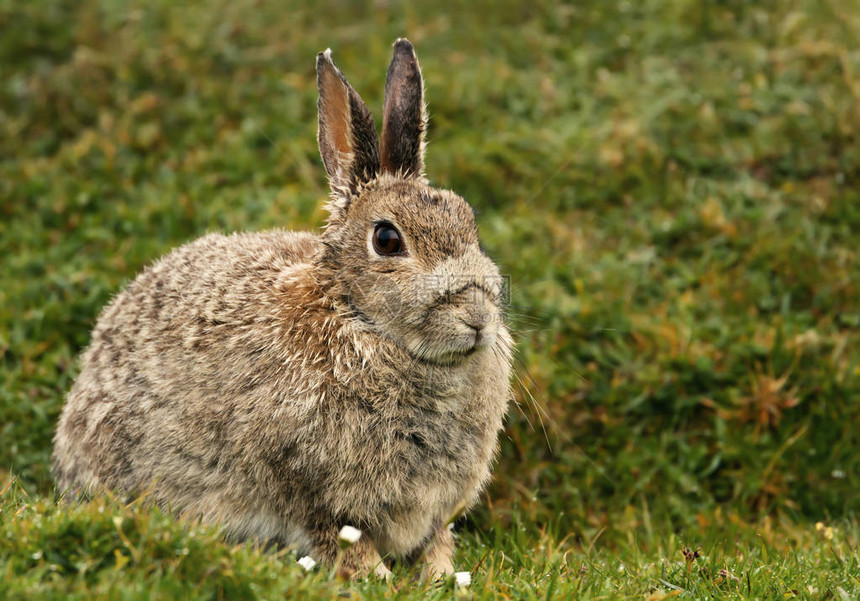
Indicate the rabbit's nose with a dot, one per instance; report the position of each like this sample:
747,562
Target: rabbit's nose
476,321
477,314
477,331
479,334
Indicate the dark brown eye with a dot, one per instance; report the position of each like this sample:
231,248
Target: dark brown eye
387,240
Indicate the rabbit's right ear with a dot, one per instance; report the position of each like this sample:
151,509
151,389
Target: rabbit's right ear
347,136
404,116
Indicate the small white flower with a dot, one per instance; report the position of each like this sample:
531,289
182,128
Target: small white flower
307,562
463,579
349,535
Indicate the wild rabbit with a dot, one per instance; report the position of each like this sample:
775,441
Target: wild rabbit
285,384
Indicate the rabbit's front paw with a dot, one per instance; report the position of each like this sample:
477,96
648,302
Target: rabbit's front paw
362,560
381,571
438,556
352,551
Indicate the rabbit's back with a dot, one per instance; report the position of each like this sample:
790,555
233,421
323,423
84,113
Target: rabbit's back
191,331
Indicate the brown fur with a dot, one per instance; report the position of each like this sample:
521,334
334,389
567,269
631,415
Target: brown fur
284,384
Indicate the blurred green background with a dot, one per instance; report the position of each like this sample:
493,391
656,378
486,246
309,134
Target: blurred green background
672,187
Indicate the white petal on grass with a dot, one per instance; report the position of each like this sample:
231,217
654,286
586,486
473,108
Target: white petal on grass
350,535
463,579
307,562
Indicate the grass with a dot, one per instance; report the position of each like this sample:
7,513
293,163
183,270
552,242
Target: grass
111,551
672,187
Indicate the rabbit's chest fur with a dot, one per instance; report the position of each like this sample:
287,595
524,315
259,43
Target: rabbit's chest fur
419,456
400,444
226,385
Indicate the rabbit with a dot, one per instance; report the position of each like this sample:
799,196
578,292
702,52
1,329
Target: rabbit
283,385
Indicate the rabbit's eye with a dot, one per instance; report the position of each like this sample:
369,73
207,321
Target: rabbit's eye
387,240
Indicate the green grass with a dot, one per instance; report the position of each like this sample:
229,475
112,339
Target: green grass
110,551
673,187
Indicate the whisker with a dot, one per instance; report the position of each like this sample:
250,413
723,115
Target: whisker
538,411
564,435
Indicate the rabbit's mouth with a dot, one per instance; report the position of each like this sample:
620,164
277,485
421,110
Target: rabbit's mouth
454,345
465,323
449,359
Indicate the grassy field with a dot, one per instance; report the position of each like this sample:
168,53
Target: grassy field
673,187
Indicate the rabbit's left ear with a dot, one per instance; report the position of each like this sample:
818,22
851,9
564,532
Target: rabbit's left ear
347,138
404,116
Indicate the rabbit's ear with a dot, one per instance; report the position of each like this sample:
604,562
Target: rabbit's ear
347,137
404,117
